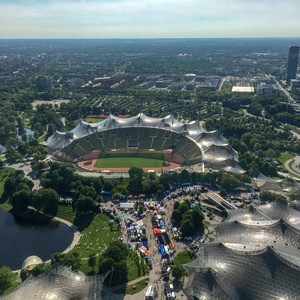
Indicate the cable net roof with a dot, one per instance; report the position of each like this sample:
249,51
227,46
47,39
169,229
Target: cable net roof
213,147
58,283
274,211
255,254
227,273
258,176
278,235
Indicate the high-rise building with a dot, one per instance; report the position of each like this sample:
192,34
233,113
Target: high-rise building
292,64
44,82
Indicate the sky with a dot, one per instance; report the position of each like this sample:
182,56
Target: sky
149,18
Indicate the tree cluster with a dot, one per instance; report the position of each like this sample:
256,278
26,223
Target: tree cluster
186,218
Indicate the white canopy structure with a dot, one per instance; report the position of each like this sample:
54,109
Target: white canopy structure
189,140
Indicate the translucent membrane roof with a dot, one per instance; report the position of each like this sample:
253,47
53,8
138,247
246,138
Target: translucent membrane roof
58,283
222,271
255,254
213,147
290,213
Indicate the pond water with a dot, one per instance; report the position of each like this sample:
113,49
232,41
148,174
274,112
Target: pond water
20,238
28,132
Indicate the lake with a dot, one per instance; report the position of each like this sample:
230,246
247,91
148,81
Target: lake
20,238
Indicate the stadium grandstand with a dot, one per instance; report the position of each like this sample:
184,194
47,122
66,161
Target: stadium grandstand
140,133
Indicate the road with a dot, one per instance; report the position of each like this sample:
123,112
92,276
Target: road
294,167
290,98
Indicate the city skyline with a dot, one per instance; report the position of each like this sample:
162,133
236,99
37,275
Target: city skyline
148,19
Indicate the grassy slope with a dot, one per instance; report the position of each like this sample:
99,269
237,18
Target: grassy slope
284,157
182,258
138,286
96,236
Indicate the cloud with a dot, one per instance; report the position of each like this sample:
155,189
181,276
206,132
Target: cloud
145,18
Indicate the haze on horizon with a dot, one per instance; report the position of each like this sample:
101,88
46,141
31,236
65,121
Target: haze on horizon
148,19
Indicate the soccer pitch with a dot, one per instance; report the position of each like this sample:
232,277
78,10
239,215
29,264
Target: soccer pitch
128,160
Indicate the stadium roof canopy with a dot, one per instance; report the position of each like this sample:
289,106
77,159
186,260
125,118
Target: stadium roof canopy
58,283
214,148
255,254
225,271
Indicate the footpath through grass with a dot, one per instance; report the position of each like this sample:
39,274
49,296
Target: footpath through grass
128,160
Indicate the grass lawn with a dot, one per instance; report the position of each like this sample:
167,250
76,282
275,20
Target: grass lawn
133,272
93,120
139,286
85,268
182,258
127,160
295,129
66,212
95,236
284,157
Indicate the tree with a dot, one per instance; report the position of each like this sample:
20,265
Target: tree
197,217
187,228
85,205
229,182
177,272
176,205
24,274
270,196
183,207
45,200
176,216
270,153
7,277
92,261
108,186
246,138
223,193
20,200
39,269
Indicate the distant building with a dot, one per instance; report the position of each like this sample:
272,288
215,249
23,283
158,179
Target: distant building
211,84
162,83
176,86
267,89
292,63
44,82
295,83
190,86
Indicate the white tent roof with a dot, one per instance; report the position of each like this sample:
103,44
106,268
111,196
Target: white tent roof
212,145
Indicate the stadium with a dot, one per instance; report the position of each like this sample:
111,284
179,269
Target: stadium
116,144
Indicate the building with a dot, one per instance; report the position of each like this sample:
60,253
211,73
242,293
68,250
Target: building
292,63
267,89
44,82
295,83
190,86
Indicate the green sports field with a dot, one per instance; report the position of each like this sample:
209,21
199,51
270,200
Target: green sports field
127,160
